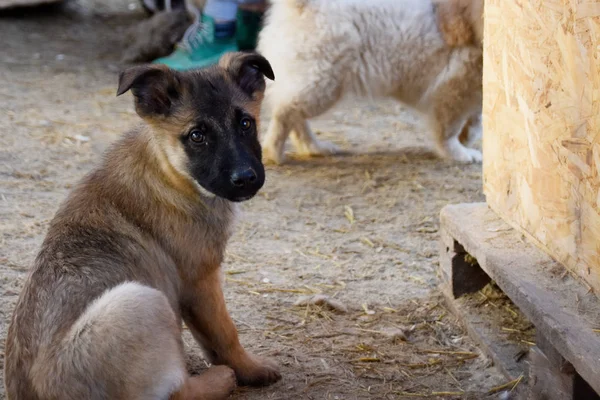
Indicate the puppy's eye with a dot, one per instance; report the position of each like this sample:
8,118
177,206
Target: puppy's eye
246,123
197,137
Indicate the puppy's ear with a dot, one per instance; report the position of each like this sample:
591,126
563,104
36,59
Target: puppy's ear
155,88
248,70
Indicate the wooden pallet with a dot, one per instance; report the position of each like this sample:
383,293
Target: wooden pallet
565,362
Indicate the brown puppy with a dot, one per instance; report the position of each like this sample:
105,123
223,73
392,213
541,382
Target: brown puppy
137,247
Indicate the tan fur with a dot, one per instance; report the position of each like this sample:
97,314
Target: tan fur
460,21
135,249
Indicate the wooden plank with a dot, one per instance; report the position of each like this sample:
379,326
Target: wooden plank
554,378
459,274
506,355
541,118
560,307
461,279
547,381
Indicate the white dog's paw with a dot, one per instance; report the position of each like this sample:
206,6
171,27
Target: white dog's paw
467,156
272,155
454,150
317,148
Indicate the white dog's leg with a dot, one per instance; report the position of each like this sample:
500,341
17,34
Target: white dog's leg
273,143
306,142
455,99
472,131
293,106
454,149
447,135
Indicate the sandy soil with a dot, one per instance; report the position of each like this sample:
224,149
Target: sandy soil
361,228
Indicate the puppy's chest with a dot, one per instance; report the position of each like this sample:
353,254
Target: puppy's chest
199,244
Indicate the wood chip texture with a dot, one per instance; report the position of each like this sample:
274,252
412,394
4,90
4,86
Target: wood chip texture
542,122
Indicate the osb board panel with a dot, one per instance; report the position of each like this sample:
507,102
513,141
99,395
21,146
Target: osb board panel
542,125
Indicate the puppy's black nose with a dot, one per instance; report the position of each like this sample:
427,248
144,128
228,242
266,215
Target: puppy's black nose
242,178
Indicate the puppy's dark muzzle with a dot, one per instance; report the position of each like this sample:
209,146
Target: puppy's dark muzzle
245,183
243,179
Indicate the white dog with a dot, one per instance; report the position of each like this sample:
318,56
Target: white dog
425,53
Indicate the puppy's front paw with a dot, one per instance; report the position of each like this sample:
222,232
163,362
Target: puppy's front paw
257,371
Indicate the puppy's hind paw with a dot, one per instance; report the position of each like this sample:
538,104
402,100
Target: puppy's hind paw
216,383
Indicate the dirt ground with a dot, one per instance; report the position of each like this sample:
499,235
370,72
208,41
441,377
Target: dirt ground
360,228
